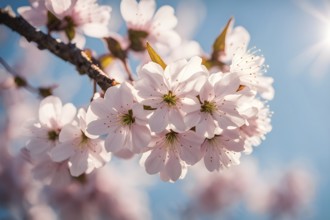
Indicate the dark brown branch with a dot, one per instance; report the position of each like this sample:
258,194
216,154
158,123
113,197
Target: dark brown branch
68,52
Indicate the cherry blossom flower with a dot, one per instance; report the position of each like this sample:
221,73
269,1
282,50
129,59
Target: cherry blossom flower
222,150
171,152
172,92
55,174
44,133
250,69
73,17
98,196
84,151
218,109
285,196
257,125
237,37
145,25
36,14
121,118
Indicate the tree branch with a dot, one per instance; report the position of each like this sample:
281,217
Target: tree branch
68,52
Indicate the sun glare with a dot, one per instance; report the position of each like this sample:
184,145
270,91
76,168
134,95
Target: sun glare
316,56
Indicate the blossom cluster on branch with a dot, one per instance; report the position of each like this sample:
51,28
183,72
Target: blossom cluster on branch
181,107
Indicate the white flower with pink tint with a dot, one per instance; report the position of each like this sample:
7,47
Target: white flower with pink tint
121,118
73,17
145,25
171,92
83,151
171,152
235,37
44,133
36,14
251,68
50,172
257,125
222,150
218,109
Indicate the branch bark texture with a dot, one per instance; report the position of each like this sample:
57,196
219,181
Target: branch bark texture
68,52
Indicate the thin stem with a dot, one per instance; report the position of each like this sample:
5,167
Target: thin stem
68,52
128,70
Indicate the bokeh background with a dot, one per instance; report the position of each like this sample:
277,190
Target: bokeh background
293,37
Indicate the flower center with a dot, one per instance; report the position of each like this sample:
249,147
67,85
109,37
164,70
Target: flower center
84,138
171,137
128,119
208,107
169,98
53,135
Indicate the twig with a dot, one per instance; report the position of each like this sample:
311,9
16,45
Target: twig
68,52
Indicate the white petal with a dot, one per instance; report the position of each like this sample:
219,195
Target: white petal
97,30
49,110
99,108
62,152
60,8
97,127
140,137
67,114
115,140
211,159
190,147
189,104
156,160
35,16
226,85
38,147
164,18
124,153
61,177
69,133
128,9
176,120
159,120
173,167
79,163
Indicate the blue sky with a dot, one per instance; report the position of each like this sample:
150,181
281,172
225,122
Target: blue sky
301,122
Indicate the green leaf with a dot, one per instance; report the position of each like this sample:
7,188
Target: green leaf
220,43
115,48
155,57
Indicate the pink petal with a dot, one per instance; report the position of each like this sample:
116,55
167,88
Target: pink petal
35,16
69,133
176,119
97,127
190,147
140,137
79,163
115,140
159,120
173,167
98,107
211,159
62,152
156,160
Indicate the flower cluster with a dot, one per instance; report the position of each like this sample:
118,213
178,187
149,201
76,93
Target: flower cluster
209,108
